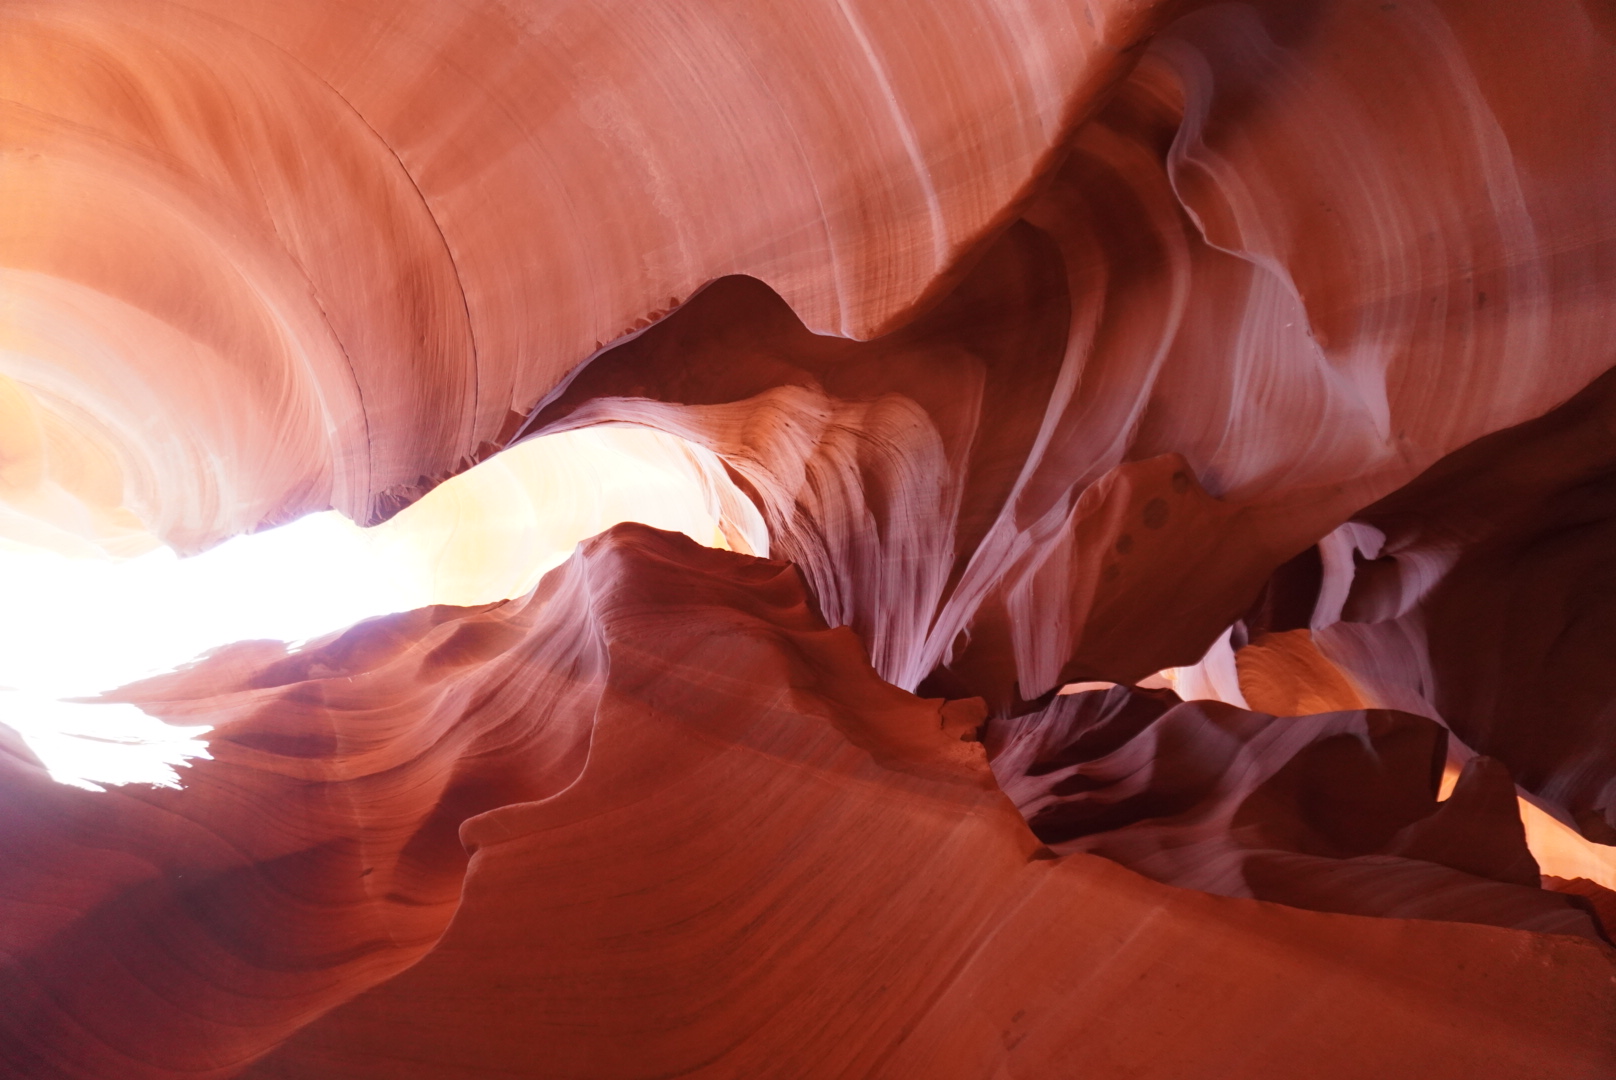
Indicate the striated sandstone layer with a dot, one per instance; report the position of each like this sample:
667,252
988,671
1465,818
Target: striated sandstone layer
1050,342
704,839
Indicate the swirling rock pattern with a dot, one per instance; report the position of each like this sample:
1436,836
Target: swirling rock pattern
1455,555
497,191
705,839
1053,342
1334,811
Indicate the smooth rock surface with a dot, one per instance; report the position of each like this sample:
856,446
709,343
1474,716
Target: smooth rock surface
1051,342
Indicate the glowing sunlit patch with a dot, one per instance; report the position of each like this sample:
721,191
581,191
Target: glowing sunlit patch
76,627
1560,850
93,744
1083,687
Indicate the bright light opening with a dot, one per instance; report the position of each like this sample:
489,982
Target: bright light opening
77,627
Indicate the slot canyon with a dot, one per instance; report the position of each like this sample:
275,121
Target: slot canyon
935,539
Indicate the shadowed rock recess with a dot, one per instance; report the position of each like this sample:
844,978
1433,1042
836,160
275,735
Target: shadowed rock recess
1078,356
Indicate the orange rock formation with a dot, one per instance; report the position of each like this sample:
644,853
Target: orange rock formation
1050,341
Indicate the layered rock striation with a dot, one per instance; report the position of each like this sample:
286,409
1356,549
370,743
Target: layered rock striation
1050,343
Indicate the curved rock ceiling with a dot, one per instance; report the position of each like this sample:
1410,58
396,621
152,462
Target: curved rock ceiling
1050,344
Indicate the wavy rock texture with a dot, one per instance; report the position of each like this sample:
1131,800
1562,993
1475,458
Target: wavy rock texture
705,839
1053,342
1438,611
1128,318
1334,812
498,190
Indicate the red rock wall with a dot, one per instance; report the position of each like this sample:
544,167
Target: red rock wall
1051,341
